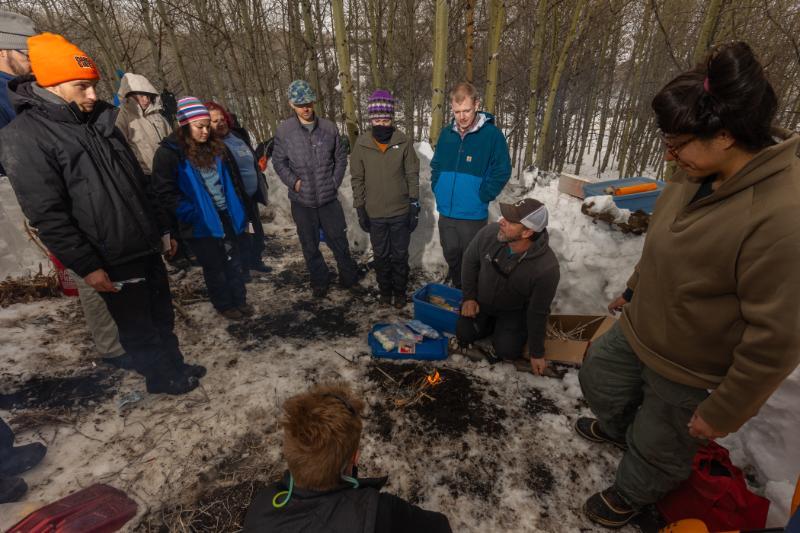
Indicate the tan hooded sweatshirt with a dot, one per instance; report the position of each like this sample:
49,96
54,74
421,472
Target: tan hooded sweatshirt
716,300
144,129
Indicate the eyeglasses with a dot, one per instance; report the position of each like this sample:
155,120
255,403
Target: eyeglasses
674,148
23,52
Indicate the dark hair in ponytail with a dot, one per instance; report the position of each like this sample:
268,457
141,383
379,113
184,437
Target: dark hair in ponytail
730,91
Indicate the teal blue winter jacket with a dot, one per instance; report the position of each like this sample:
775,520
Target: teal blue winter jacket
468,173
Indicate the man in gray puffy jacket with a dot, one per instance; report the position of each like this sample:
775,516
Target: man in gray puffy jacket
310,159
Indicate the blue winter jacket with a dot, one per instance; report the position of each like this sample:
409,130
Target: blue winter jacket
468,173
191,202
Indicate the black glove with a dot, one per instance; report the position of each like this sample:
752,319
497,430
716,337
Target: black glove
413,214
363,218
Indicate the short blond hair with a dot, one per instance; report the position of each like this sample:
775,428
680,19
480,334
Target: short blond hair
462,91
321,432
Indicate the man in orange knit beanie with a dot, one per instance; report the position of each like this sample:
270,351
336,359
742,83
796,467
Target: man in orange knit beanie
81,187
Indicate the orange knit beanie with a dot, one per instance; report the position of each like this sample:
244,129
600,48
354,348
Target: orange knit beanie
55,60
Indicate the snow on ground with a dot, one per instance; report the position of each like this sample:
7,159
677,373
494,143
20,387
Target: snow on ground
503,458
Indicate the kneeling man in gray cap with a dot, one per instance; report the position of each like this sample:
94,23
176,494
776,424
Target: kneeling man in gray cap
509,277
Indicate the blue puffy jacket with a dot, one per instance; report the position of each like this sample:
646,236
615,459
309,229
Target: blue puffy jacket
468,173
190,201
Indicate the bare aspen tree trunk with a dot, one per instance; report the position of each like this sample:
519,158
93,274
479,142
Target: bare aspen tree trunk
374,46
439,67
104,36
533,83
155,50
469,38
556,80
707,31
343,53
297,51
409,104
173,39
311,52
498,21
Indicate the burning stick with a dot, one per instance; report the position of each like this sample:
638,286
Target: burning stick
428,382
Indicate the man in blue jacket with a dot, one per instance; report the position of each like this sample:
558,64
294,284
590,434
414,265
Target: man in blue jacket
470,167
310,159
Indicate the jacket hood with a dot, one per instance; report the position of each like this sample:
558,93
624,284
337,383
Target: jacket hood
767,163
481,118
366,141
171,142
136,83
25,100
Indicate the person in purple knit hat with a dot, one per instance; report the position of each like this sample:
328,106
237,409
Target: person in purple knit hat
384,172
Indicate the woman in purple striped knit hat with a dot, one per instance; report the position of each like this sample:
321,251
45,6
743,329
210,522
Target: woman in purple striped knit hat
193,177
384,172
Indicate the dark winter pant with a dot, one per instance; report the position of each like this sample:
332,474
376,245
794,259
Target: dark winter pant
6,436
144,316
253,243
222,267
390,238
455,234
330,218
649,411
509,331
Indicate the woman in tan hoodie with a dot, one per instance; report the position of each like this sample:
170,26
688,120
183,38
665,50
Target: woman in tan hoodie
140,119
710,319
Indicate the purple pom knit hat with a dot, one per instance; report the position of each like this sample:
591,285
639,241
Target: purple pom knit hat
380,104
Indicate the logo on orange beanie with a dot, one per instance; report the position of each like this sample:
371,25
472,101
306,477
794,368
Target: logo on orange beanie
55,60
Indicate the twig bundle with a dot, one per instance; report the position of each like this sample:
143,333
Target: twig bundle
578,333
28,289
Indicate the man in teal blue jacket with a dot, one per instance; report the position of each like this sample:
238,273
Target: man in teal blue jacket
470,167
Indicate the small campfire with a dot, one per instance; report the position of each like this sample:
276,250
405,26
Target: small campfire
411,394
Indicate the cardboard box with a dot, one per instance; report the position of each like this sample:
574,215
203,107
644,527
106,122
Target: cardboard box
573,352
572,185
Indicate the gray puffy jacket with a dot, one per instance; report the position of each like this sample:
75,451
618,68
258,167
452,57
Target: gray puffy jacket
317,158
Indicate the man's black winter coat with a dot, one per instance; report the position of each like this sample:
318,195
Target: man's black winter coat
77,181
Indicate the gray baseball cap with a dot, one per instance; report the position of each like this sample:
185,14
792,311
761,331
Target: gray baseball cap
15,30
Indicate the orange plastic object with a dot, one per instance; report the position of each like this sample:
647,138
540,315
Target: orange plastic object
633,189
796,497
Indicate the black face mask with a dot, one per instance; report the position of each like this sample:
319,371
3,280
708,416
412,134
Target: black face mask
382,134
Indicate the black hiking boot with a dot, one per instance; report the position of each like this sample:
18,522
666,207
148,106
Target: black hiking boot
193,371
124,361
21,459
232,314
260,267
12,489
319,292
609,509
246,310
400,301
589,429
175,385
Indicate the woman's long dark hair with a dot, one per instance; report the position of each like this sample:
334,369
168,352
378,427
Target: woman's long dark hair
729,91
200,155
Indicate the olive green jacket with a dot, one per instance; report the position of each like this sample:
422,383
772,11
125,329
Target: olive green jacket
383,182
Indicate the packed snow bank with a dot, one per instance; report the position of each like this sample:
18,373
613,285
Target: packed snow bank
18,255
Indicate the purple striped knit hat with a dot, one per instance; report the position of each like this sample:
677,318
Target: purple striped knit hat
191,109
380,104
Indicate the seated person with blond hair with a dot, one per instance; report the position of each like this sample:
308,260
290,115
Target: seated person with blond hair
322,491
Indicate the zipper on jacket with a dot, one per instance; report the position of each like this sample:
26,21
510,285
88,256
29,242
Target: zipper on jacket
455,174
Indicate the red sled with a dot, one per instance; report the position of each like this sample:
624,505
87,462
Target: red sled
96,509
716,493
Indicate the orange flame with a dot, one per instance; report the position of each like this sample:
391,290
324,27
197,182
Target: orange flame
435,378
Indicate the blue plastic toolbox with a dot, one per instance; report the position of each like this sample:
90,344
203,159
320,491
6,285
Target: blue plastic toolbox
428,349
433,315
642,200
